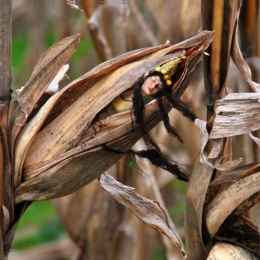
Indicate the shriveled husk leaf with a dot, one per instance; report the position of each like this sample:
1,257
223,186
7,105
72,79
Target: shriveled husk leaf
148,211
227,251
43,73
79,166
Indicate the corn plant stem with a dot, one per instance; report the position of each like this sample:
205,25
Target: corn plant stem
220,16
5,58
5,94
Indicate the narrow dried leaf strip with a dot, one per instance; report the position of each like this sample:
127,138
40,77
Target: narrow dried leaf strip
147,210
228,200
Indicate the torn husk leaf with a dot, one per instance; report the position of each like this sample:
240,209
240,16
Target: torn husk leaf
236,114
55,165
150,212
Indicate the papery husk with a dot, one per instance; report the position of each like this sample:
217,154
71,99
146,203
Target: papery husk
43,73
100,91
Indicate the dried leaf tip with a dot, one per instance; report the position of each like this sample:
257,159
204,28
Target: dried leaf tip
72,4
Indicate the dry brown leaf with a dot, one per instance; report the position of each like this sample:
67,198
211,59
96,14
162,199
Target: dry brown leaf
241,115
228,200
44,72
148,211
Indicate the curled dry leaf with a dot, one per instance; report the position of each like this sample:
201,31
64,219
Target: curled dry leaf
150,212
55,165
223,205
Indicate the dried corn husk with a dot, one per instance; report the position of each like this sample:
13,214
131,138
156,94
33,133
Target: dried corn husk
51,163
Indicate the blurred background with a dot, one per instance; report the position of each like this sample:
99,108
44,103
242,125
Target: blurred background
89,224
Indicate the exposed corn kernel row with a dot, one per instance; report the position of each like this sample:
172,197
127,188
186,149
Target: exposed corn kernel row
169,68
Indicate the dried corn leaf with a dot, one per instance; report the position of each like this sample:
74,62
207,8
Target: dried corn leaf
148,211
236,114
43,73
196,194
228,200
227,251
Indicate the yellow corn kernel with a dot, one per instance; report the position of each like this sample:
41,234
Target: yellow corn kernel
168,82
166,77
163,71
